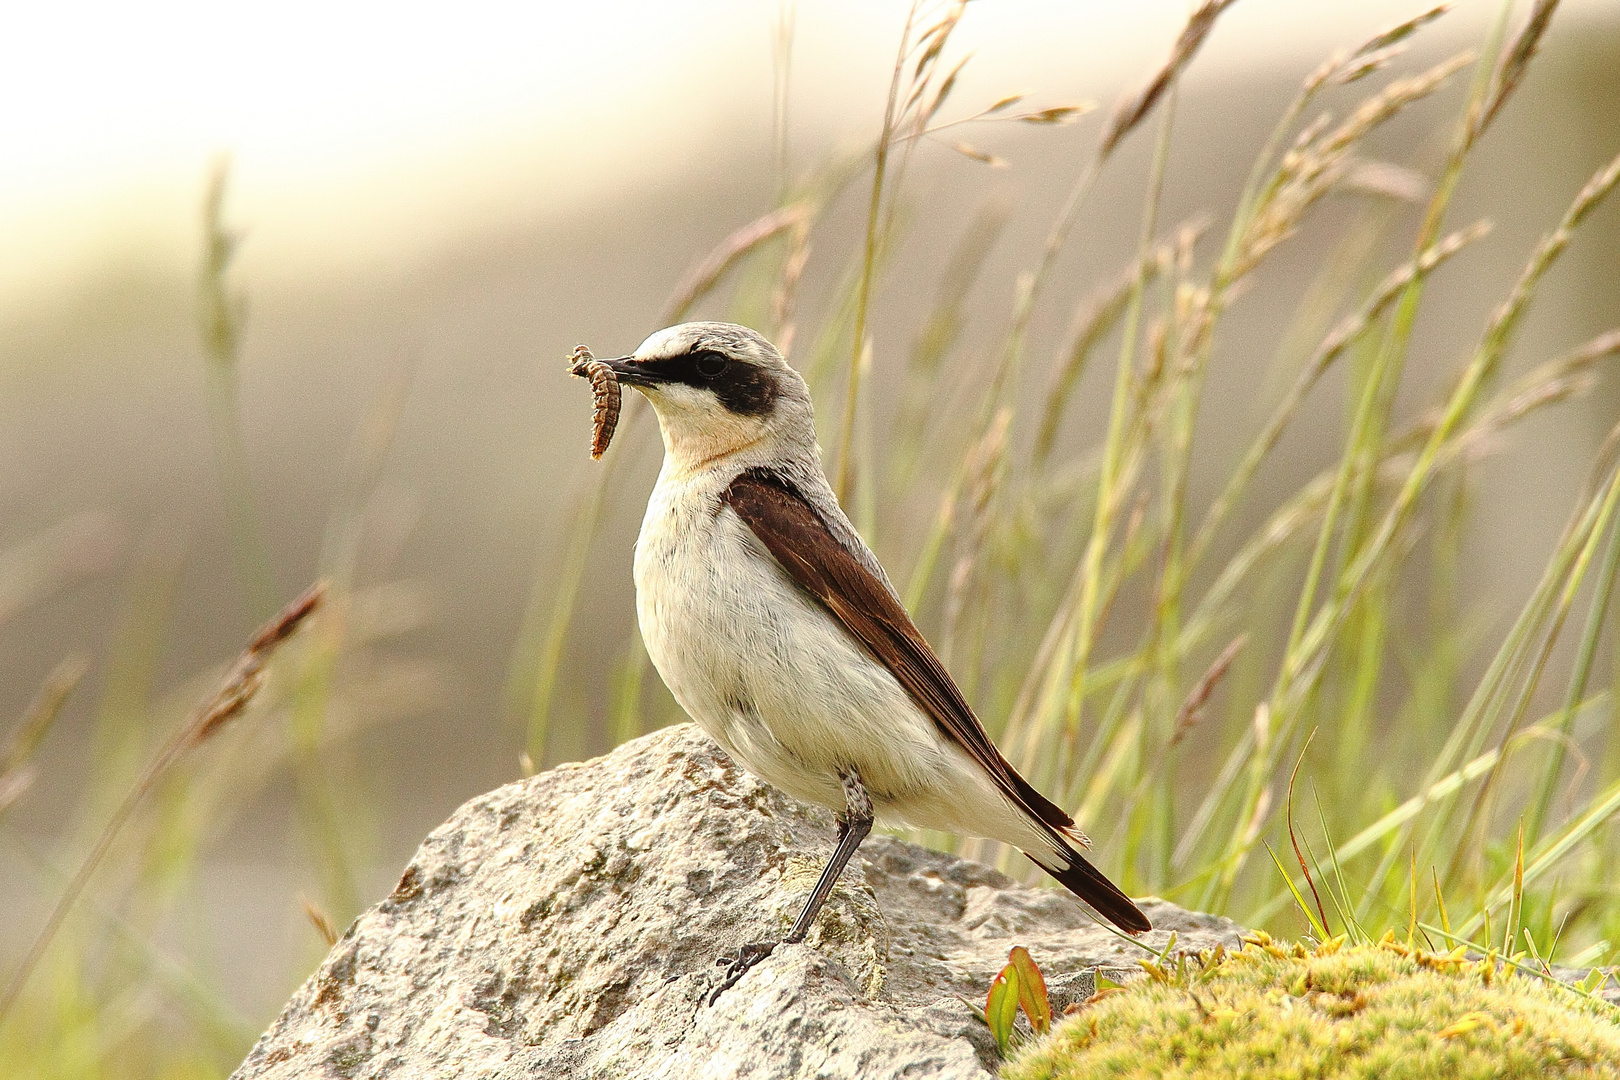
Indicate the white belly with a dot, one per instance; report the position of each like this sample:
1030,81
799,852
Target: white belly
771,676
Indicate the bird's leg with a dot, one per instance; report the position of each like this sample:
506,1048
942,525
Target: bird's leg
853,826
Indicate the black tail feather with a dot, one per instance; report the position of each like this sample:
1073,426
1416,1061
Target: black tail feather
1088,883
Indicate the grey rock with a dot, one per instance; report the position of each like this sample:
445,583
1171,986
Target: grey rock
568,926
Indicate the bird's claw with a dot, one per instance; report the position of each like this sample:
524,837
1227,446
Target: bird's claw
740,965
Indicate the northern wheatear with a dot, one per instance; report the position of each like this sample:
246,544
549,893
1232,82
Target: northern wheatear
778,632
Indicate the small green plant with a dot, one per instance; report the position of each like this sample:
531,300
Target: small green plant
1385,1009
1019,985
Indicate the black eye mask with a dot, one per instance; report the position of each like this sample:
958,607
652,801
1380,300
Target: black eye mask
743,388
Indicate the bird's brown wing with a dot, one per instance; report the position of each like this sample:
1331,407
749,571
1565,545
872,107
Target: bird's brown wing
795,534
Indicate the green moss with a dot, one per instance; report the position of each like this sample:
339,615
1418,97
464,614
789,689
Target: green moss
1384,1010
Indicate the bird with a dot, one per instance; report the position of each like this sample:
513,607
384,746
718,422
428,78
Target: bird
779,633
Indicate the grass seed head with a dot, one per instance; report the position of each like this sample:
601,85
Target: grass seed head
1133,110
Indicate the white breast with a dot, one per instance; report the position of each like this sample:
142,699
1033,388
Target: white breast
765,670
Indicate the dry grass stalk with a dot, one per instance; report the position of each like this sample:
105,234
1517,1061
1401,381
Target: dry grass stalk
246,676
222,315
1354,325
1193,305
319,919
235,690
923,98
932,41
983,468
1605,344
1552,245
703,277
1126,117
1302,669
221,309
984,459
1049,116
1372,177
1196,308
41,713
1293,837
786,293
1192,709
1401,31
1545,384
1360,66
1346,66
1349,329
945,321
945,87
1135,109
1151,377
1094,317
1389,101
974,153
1511,71
17,770
1318,161
1057,114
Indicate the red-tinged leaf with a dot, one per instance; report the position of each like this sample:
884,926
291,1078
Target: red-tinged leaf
1031,990
1001,1007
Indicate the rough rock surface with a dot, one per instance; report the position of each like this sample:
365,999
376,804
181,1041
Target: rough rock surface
568,926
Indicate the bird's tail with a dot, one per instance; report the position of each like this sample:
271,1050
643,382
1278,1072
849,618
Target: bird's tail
1088,883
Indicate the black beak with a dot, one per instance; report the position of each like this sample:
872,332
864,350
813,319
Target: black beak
636,374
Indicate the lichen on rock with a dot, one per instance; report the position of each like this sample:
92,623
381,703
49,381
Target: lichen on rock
1381,1010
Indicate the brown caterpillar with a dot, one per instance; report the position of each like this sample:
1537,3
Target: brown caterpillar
605,397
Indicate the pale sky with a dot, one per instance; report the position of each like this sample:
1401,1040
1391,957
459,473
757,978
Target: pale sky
357,127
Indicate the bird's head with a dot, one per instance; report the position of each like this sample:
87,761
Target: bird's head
720,389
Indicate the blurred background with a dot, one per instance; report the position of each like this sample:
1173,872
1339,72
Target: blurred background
434,206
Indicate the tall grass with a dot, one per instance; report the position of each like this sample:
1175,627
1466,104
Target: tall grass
1289,722
105,988
1138,651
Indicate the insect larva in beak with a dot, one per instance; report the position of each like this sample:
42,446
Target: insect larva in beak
604,397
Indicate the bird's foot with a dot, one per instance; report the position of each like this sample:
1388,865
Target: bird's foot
740,965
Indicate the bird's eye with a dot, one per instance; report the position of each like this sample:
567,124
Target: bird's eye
711,364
